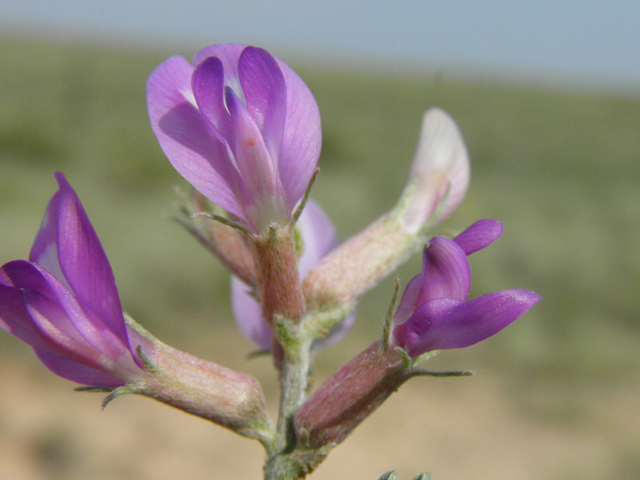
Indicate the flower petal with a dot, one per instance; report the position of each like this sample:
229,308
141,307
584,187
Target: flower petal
479,235
83,263
266,96
408,303
318,236
228,53
58,317
15,319
446,272
302,138
420,333
440,163
207,83
77,372
189,141
476,320
248,315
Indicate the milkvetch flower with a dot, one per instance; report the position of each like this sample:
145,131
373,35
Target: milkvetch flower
318,238
241,127
64,302
434,313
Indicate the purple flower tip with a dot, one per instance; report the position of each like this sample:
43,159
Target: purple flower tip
240,126
64,301
434,313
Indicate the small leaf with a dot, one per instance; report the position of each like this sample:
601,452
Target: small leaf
423,476
392,475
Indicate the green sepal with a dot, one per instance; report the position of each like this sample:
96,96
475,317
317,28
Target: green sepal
386,330
419,372
225,221
114,393
117,393
425,357
298,211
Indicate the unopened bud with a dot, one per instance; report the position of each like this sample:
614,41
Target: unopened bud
436,185
349,397
201,388
440,167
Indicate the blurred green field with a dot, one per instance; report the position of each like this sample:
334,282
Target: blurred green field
559,168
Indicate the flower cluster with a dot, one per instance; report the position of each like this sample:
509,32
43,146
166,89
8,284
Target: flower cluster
244,130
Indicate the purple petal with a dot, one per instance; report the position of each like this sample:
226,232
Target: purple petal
188,139
318,236
207,83
479,235
82,260
445,273
263,200
441,326
248,315
77,372
44,251
228,53
15,319
302,136
418,334
266,96
408,304
58,317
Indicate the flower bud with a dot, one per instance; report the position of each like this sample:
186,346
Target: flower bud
440,167
437,180
349,397
207,390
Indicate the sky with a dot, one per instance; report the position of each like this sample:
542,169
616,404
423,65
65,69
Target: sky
579,41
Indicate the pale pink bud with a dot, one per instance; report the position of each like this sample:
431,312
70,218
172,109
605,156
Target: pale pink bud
440,167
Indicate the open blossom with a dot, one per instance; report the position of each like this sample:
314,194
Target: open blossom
64,302
241,127
434,313
318,238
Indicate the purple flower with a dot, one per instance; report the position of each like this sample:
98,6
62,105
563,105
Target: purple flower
64,302
434,313
318,239
241,127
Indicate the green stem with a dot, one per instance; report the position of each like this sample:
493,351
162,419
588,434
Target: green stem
282,464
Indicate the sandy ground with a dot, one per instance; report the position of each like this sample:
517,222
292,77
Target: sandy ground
456,428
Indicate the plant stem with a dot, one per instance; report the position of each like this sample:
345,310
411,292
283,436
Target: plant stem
281,464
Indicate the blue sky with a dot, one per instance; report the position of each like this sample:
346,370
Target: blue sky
596,42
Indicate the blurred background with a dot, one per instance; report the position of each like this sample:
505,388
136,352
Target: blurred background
547,95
